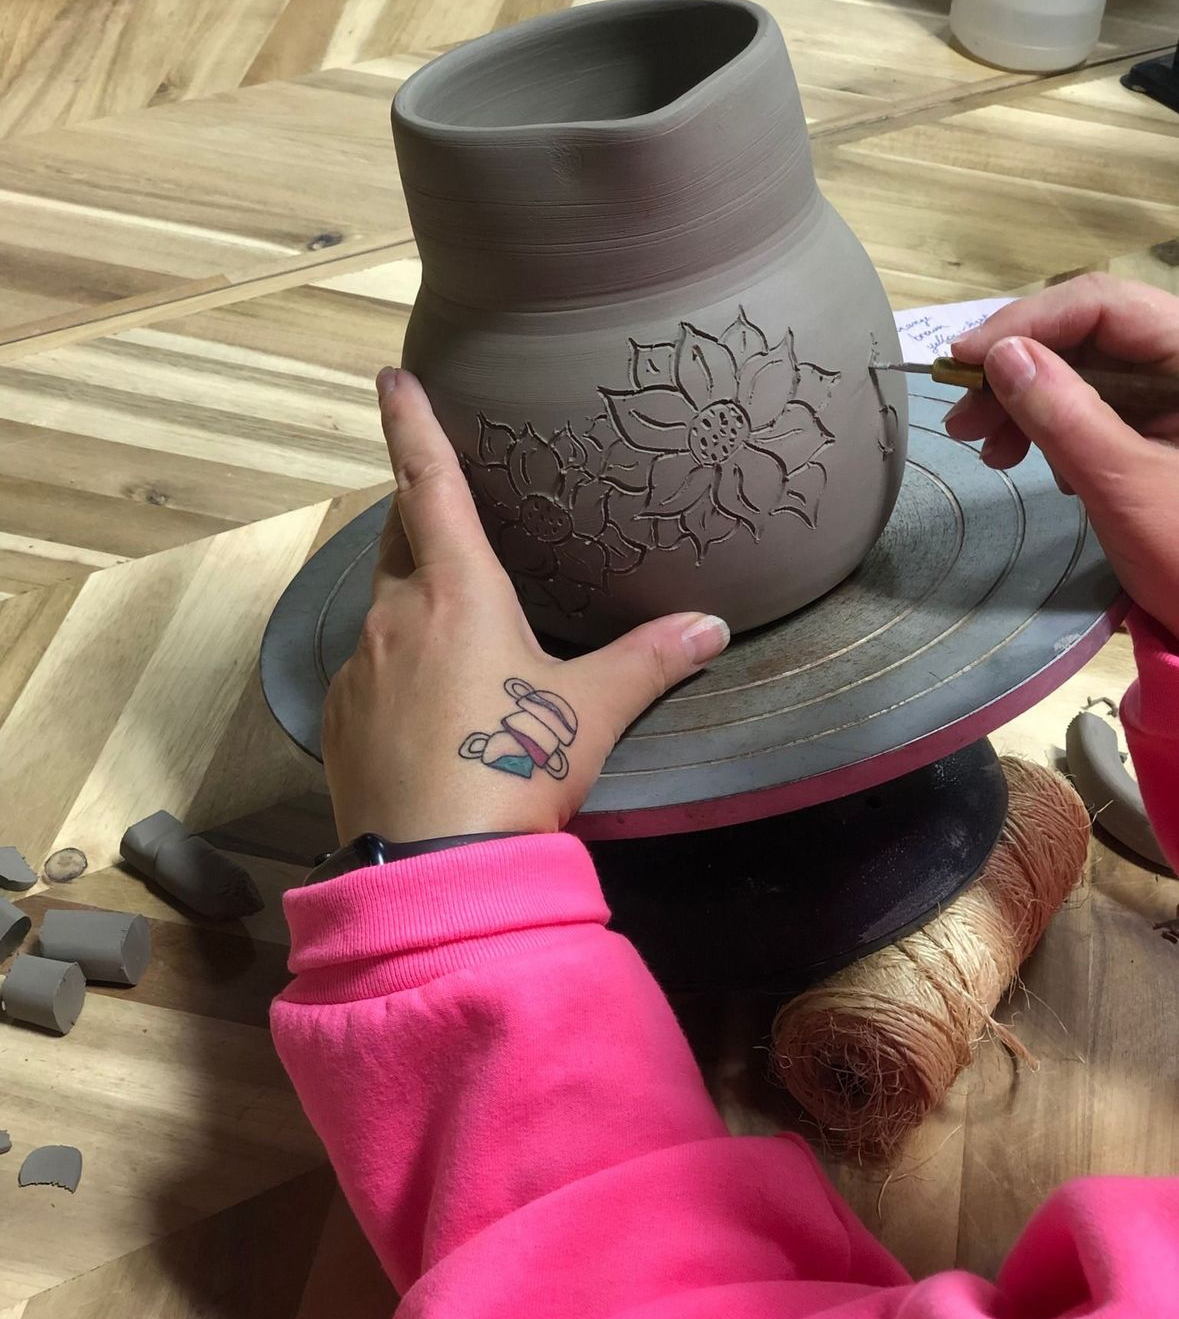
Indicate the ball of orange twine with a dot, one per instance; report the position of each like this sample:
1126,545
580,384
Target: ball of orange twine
875,1047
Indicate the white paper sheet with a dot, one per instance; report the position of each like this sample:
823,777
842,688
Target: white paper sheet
927,332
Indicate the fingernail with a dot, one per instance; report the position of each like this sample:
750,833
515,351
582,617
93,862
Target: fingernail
386,380
1010,367
705,638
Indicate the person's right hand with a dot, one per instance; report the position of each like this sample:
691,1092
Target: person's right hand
1126,472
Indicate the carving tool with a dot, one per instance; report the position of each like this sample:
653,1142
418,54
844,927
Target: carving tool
1127,391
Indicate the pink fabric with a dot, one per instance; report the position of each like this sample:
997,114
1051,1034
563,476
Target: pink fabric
1150,716
522,1131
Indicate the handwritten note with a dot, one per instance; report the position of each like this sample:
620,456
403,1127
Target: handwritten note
927,332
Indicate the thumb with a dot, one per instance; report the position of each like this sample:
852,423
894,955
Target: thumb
1083,438
640,666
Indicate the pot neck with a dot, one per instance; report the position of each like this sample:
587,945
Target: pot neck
538,215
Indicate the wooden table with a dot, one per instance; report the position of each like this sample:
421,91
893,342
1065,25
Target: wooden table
204,257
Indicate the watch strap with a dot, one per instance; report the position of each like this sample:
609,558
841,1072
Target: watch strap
374,850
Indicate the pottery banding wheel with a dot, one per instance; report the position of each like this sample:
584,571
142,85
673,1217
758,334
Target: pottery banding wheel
986,591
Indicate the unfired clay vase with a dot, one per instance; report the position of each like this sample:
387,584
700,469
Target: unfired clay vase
644,329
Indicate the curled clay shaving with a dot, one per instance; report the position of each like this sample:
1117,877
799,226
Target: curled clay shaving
52,1165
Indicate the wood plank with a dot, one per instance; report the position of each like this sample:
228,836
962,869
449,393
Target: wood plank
174,200
178,1116
172,1277
937,203
70,61
193,395
121,447
122,708
190,195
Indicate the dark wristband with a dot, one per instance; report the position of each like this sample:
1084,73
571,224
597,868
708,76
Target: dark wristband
373,850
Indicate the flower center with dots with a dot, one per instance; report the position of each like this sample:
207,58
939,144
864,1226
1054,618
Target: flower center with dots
717,432
545,520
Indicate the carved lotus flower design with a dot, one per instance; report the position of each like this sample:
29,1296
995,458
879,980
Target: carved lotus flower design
717,434
544,507
714,436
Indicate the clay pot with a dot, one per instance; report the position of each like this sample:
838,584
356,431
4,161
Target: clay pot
642,326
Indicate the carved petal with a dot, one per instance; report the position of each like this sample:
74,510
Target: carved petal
760,481
704,368
493,490
743,339
621,555
798,437
495,441
815,385
587,504
533,465
767,386
531,591
704,524
569,449
520,554
652,364
655,419
582,560
626,514
731,498
677,482
626,467
803,493
668,533
568,596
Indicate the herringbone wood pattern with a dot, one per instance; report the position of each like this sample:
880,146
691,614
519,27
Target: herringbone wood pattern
203,258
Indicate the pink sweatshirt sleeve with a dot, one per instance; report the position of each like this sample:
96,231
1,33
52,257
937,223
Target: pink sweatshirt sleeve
1150,716
521,1129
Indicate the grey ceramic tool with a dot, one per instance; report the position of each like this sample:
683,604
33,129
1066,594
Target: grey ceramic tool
986,590
14,925
15,871
42,992
1107,788
110,946
188,868
52,1165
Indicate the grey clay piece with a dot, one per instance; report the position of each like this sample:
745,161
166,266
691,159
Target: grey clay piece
14,925
190,869
15,872
5,1142
109,946
646,332
42,992
1107,788
143,840
52,1165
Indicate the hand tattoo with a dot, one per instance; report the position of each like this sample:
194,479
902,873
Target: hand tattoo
531,737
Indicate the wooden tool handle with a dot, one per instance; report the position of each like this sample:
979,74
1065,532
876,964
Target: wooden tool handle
1125,391
949,371
1134,391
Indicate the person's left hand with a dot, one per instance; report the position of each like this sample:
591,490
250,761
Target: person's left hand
450,719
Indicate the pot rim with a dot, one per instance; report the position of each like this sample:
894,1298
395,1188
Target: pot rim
663,117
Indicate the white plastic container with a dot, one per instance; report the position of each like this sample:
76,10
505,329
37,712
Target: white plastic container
1030,36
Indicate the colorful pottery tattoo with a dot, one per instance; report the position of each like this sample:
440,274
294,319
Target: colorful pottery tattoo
532,737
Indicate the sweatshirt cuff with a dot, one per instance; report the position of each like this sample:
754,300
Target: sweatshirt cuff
1150,704
393,927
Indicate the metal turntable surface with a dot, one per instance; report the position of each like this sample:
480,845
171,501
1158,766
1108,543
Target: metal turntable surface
986,591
